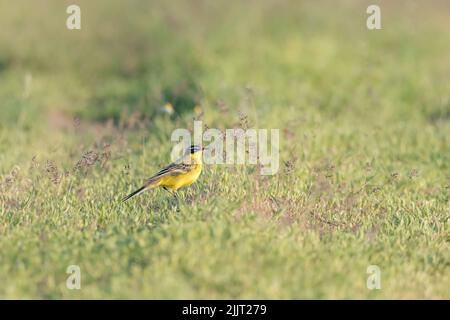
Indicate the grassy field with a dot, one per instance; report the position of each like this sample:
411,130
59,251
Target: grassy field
364,173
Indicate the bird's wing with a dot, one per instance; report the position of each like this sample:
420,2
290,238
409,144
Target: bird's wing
172,169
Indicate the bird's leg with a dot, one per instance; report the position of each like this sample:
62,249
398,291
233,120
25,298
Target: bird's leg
175,195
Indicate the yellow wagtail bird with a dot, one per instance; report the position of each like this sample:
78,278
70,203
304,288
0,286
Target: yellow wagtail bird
176,175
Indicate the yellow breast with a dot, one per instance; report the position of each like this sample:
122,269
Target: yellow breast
182,180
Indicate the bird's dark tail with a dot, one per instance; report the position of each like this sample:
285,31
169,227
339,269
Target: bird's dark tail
135,193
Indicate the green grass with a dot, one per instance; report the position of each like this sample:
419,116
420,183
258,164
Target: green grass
365,149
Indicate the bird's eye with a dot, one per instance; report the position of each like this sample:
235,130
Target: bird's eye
194,148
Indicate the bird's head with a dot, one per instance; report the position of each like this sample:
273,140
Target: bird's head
195,151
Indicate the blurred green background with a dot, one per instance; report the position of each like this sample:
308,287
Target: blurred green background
365,151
